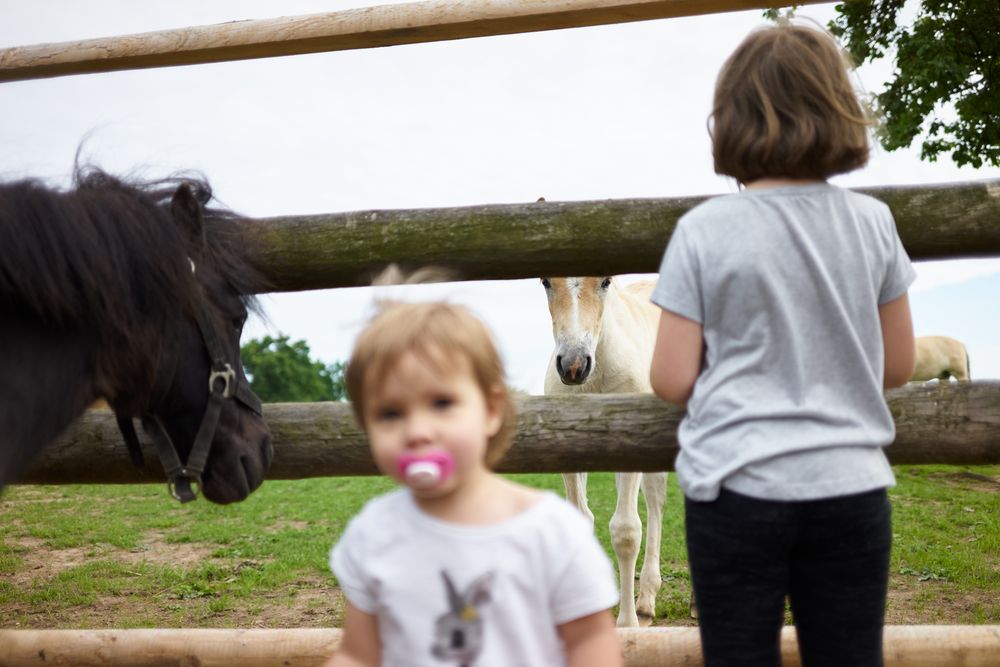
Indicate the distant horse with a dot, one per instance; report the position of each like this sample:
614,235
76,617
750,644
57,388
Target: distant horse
136,293
604,337
940,357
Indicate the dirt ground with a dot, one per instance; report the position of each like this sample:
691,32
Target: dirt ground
316,602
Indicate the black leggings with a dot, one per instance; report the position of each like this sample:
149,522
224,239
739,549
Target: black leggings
830,557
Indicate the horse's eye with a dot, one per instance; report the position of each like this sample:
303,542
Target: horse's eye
606,283
545,283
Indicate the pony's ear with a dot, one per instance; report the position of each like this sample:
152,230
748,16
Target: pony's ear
186,208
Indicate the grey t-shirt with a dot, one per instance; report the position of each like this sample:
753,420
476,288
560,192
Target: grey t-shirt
786,283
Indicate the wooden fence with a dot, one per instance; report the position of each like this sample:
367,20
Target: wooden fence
942,424
955,424
905,646
590,238
368,27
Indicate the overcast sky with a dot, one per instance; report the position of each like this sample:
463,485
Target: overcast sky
589,113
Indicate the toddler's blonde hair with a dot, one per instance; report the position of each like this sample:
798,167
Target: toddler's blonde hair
446,336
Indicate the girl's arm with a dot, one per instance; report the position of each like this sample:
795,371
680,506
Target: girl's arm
591,641
676,358
897,341
359,641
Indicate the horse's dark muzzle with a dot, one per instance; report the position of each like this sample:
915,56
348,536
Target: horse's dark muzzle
574,369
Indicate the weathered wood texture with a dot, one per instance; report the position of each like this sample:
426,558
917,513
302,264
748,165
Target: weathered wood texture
905,646
568,238
362,28
957,424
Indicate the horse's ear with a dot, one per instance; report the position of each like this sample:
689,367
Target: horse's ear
186,207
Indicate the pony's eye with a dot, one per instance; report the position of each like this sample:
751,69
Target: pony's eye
545,283
606,283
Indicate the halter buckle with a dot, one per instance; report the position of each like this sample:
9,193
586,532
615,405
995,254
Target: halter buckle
227,375
184,486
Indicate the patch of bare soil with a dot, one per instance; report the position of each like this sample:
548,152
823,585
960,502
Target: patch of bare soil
42,562
971,481
915,602
314,601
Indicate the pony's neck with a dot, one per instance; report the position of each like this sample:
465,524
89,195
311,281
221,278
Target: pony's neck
624,349
51,374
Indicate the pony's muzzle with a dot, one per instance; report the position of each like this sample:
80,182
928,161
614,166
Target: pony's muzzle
574,369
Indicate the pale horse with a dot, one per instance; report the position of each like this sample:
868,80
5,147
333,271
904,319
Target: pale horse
940,357
604,335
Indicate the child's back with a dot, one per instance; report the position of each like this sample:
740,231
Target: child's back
790,280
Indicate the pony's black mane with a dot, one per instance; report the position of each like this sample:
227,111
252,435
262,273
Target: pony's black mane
109,259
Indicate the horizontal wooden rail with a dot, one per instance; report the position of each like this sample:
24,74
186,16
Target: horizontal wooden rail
362,28
569,238
956,424
905,646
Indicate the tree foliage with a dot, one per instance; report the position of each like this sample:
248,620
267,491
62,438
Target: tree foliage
945,84
280,371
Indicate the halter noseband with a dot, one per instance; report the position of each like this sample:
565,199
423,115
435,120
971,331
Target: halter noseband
183,479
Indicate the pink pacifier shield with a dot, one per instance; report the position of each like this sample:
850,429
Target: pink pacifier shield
427,470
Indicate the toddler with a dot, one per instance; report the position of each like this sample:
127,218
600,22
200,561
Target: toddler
459,566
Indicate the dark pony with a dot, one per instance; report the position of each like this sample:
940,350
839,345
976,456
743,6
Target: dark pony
135,292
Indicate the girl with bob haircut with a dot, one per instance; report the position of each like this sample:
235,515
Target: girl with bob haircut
460,566
784,106
784,316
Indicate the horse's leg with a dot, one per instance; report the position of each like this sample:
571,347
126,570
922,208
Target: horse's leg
962,373
626,534
576,493
654,488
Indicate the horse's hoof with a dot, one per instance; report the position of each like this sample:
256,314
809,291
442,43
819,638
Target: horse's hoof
645,620
626,622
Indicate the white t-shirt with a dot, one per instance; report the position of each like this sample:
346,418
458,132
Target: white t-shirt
472,595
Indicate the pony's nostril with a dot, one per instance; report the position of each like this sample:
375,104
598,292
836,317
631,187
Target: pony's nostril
559,366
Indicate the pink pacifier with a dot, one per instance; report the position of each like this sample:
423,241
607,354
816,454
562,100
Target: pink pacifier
426,471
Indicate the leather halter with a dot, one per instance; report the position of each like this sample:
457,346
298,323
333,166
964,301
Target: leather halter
223,383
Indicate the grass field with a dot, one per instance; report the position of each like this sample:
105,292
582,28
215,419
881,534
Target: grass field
128,556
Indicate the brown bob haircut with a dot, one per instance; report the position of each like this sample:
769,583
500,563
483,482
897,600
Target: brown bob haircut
446,336
784,107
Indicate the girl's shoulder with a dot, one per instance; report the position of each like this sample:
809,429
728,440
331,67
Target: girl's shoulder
719,207
559,516
378,512
729,208
860,200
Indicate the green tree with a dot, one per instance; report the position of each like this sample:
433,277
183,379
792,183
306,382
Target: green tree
280,371
946,85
